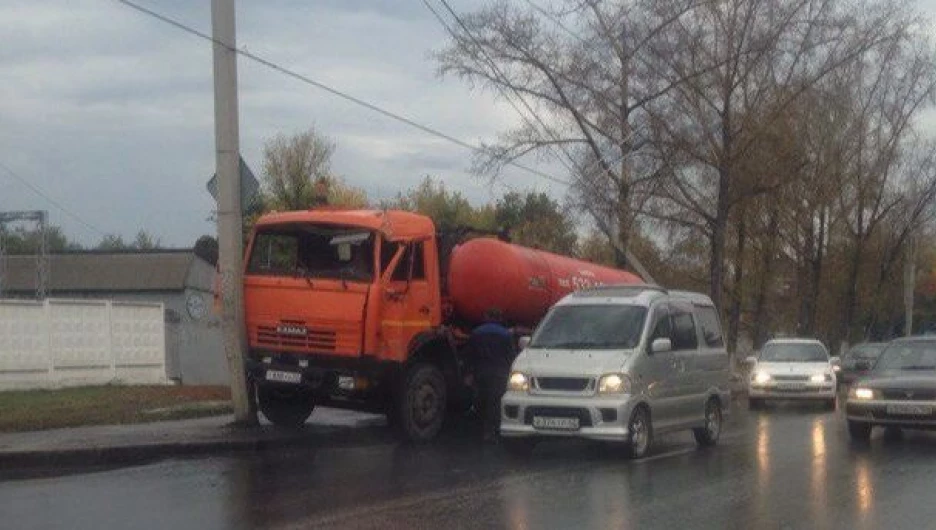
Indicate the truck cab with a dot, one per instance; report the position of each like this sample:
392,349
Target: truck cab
333,301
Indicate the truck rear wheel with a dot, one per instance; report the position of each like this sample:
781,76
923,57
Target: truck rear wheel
285,407
421,403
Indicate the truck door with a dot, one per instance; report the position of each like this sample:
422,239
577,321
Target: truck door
410,304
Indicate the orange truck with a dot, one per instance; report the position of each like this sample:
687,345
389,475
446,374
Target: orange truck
369,310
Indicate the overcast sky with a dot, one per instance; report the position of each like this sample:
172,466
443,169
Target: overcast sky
110,112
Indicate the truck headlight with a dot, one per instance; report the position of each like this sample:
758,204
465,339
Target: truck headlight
613,384
761,378
863,393
518,382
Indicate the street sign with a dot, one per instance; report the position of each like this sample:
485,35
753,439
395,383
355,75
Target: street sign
250,187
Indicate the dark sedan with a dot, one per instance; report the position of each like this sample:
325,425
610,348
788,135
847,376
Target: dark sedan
900,391
858,361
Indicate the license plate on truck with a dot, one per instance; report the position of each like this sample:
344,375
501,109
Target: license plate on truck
280,376
559,424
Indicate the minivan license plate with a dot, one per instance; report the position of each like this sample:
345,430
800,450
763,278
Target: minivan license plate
562,424
280,376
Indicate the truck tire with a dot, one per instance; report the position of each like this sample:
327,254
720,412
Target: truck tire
421,403
285,407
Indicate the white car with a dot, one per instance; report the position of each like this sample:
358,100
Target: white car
797,369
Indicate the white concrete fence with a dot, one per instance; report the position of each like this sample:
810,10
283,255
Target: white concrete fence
58,343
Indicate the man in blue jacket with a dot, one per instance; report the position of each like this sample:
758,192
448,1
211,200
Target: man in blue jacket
492,351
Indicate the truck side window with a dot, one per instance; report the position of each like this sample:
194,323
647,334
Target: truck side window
413,251
684,331
388,249
711,330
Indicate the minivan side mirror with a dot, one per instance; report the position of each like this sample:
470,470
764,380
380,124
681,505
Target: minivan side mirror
661,345
524,342
835,360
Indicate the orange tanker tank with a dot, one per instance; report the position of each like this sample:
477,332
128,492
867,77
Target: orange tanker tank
522,282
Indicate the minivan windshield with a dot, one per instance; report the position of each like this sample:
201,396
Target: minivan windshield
794,352
591,327
908,356
313,251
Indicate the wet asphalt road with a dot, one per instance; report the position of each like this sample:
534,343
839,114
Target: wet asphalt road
785,467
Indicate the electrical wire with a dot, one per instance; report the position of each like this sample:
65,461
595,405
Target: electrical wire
35,189
334,91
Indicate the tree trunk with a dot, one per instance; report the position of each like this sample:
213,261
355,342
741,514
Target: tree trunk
766,268
737,296
851,292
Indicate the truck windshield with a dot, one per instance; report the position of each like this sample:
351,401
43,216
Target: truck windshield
794,352
313,251
591,327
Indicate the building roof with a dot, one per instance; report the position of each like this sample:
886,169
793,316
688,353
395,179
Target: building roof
97,271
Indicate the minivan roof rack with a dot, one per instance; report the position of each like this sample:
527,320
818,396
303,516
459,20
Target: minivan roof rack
622,289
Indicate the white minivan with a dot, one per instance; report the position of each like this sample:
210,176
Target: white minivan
620,363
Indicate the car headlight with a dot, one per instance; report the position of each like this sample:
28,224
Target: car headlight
863,393
518,382
613,384
761,377
820,378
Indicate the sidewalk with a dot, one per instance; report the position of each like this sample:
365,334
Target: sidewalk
116,444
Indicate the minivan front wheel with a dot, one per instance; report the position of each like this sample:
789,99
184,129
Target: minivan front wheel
640,431
708,435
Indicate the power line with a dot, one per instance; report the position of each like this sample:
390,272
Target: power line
51,201
334,91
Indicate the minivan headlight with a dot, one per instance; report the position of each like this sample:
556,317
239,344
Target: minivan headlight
761,377
613,384
518,382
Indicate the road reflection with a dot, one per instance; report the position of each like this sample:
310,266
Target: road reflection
864,488
763,450
817,478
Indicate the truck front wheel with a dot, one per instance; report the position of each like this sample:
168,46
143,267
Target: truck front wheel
421,403
285,407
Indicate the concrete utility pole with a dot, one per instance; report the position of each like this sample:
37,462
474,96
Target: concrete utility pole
230,232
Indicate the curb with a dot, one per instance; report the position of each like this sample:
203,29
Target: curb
85,457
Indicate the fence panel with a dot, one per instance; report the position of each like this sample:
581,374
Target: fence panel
80,342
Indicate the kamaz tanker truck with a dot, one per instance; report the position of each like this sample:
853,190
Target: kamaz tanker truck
369,310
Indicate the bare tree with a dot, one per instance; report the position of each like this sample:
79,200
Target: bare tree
755,58
581,75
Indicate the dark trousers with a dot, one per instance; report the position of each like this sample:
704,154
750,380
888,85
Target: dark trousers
491,387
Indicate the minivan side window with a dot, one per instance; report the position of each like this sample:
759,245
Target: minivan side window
711,330
662,327
684,332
